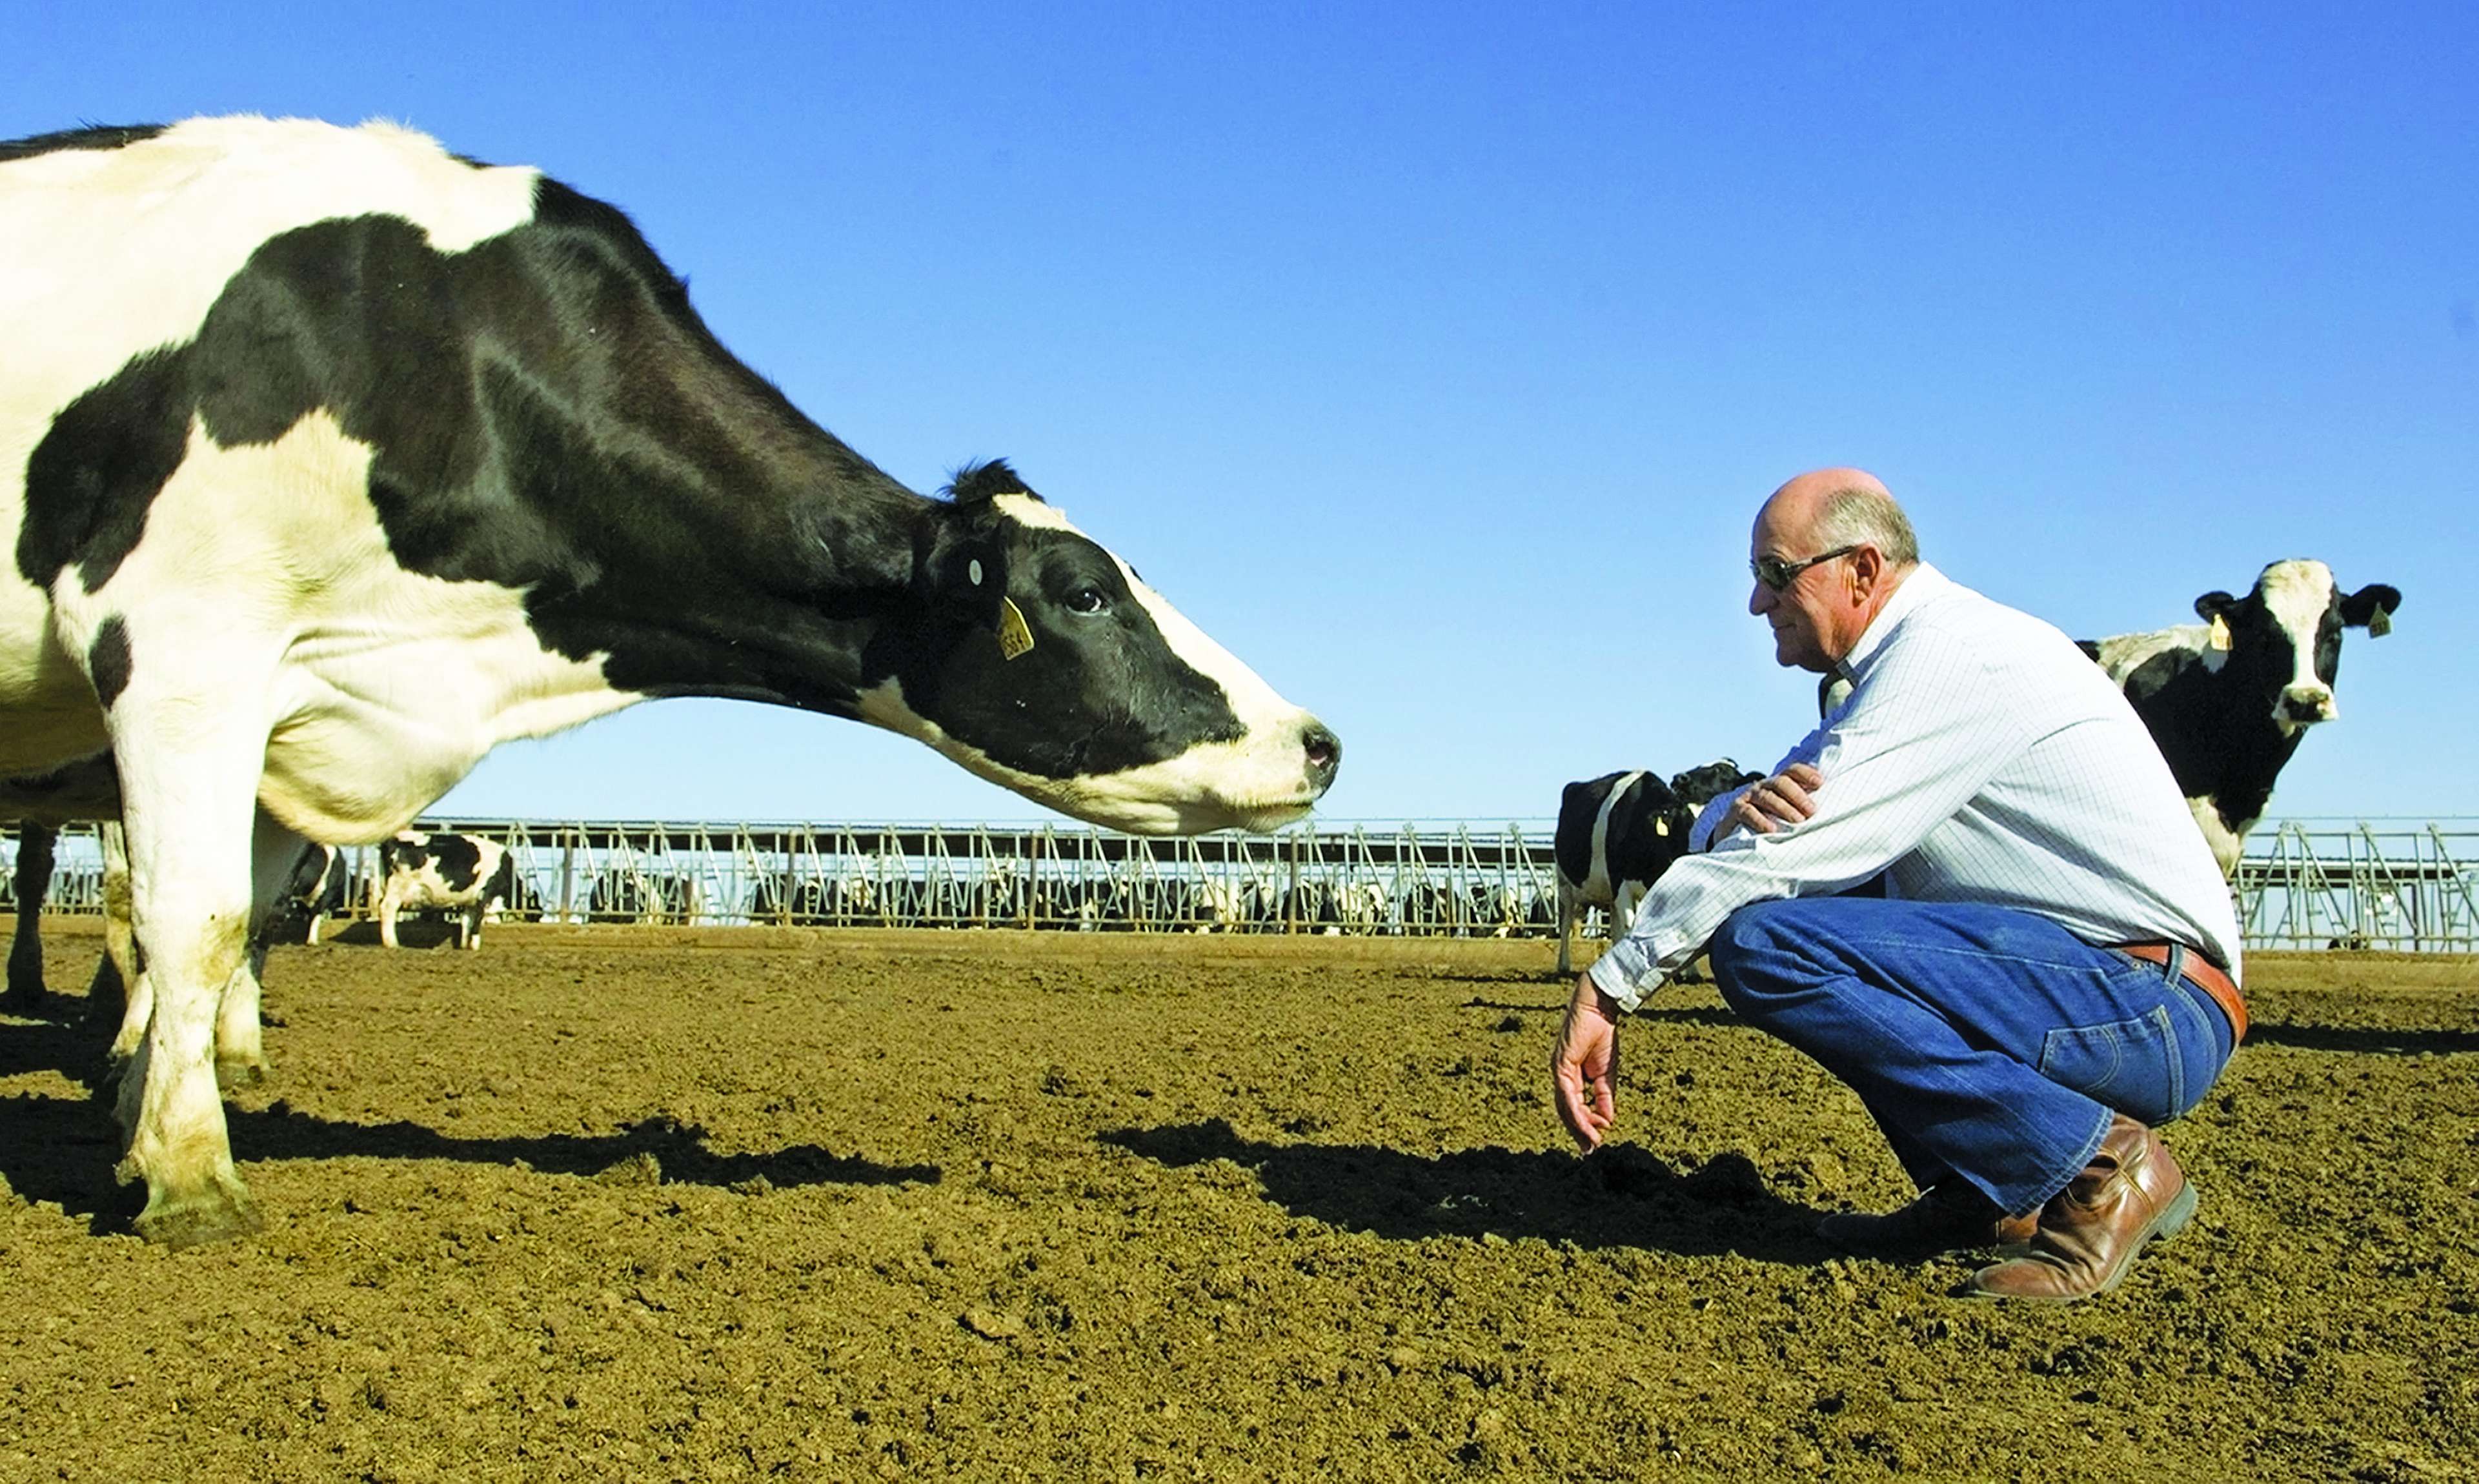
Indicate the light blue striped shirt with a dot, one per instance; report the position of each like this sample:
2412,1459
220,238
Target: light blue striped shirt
1981,757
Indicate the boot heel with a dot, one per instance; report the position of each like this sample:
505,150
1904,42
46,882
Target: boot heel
2182,1209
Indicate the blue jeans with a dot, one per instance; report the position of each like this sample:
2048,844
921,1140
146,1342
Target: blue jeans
1988,1043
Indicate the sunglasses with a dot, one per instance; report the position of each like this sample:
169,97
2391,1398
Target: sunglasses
1776,574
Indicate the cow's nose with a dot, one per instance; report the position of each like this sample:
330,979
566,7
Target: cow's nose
2308,704
1323,751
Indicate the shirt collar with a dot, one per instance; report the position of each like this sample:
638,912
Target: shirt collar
1924,583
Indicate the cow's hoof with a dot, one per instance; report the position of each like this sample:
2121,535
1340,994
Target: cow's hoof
219,1213
230,1074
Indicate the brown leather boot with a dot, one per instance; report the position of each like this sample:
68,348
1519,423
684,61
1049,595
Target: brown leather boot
2131,1193
1951,1216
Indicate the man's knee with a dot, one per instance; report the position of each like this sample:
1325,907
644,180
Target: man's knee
1744,951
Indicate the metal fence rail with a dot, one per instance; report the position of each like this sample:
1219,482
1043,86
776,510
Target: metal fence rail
2331,884
2303,884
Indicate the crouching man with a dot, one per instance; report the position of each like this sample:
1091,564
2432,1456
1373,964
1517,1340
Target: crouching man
2050,973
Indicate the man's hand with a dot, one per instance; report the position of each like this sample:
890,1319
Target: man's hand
1784,799
1584,1064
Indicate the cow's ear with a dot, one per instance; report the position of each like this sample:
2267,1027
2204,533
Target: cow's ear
960,562
2213,608
2371,608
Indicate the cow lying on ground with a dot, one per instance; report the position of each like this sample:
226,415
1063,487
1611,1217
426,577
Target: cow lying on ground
334,460
466,876
2229,700
1618,833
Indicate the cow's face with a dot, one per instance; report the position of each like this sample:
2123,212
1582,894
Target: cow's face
1053,670
2285,636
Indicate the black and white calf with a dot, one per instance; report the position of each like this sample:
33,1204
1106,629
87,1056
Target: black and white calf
334,459
466,876
2229,700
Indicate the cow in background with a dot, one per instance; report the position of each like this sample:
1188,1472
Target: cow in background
1618,833
2229,700
466,875
317,891
644,896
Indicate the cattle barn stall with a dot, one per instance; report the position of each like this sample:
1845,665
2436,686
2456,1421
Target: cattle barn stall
2304,883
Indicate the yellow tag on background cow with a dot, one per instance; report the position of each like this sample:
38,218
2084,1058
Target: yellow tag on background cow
2220,639
1015,636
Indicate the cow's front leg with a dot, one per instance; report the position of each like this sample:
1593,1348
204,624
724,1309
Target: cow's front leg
240,1055
188,810
117,975
26,991
1626,896
1568,910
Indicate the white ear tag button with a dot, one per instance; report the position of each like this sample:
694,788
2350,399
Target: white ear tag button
973,570
1015,636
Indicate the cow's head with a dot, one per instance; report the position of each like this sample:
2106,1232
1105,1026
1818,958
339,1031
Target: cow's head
2285,636
1041,661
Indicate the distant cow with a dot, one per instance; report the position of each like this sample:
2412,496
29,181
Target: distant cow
1618,833
2229,699
317,891
1701,785
465,875
331,460
635,894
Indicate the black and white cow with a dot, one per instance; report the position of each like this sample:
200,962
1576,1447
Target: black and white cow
2229,700
469,878
1618,833
334,460
319,890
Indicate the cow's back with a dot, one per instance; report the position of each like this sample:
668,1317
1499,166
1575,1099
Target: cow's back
114,245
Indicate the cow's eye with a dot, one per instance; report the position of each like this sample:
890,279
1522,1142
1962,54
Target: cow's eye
1089,600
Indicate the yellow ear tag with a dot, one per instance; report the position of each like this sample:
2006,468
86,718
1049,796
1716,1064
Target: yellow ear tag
1661,826
1015,636
2220,639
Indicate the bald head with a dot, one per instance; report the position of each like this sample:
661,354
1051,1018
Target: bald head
1820,612
1843,506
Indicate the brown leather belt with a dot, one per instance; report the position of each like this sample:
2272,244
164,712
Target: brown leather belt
2198,971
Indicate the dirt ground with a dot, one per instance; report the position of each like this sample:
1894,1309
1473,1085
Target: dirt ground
615,1204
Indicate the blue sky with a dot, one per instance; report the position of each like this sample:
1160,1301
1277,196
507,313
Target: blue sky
1435,358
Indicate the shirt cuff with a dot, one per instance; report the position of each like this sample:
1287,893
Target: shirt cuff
1618,971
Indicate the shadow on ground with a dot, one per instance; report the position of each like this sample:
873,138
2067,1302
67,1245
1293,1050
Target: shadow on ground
63,1149
1619,1196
